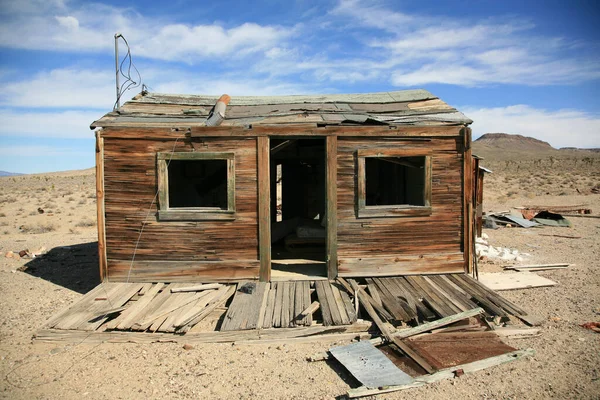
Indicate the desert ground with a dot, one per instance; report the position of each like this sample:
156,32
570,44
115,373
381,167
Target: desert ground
566,363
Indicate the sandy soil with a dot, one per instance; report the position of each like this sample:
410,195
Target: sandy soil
566,364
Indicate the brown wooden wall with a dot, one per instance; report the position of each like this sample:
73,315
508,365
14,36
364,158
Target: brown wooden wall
402,245
170,251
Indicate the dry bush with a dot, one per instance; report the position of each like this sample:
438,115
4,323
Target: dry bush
2,215
42,227
82,201
85,223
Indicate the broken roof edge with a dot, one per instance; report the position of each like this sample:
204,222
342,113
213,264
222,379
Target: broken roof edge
376,97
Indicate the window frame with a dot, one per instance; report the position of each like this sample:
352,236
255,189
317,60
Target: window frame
394,210
167,213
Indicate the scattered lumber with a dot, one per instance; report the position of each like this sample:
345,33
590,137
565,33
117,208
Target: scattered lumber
386,333
516,332
523,280
75,336
559,236
446,373
537,267
197,288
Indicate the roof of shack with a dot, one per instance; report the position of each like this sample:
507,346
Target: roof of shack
406,107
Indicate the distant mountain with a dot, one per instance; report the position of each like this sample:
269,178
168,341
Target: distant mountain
504,146
5,173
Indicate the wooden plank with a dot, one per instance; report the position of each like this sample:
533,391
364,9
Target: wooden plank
191,310
413,297
521,280
185,307
151,308
428,326
337,296
389,301
349,307
331,205
537,267
399,297
117,300
191,323
386,333
264,210
451,301
100,207
268,318
278,305
400,264
447,373
263,306
372,288
285,304
507,305
478,295
89,308
56,335
128,316
431,298
467,174
299,305
326,311
459,300
79,304
332,304
197,288
365,297
307,321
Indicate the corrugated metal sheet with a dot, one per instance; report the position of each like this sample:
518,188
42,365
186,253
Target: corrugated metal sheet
408,107
369,365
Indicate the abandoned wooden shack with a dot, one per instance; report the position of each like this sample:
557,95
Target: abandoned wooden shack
285,188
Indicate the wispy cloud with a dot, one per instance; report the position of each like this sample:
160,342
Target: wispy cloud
89,28
65,124
562,128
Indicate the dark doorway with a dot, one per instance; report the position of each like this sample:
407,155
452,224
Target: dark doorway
298,229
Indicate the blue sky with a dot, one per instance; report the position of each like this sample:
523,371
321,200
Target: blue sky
524,67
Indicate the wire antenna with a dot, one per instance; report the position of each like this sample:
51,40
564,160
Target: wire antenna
129,82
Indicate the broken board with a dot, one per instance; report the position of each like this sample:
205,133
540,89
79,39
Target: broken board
369,365
519,280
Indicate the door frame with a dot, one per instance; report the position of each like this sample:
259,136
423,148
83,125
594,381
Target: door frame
264,205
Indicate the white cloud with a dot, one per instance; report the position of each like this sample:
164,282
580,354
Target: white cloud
65,124
562,128
90,28
67,87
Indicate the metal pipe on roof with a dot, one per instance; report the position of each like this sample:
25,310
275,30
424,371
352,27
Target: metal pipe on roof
217,114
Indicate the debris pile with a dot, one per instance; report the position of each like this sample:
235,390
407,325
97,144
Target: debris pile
485,251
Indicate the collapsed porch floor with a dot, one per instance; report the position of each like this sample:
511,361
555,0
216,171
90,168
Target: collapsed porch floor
218,311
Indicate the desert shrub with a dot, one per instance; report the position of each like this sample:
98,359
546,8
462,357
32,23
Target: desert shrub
92,195
74,231
84,223
33,213
2,215
82,201
42,227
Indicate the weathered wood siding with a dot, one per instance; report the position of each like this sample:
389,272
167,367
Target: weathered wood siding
402,245
168,250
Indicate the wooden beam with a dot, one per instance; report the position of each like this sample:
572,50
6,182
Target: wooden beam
331,199
196,288
100,206
264,208
57,335
467,178
438,324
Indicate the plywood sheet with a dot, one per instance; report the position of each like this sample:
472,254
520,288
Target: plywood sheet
520,280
